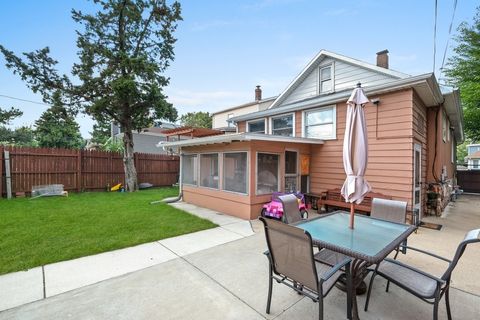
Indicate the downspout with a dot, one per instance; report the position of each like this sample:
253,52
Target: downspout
434,174
180,187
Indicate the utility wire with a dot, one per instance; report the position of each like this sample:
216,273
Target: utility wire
435,35
24,100
449,33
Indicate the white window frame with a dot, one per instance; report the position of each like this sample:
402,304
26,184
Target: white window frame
199,182
247,170
229,123
332,77
270,129
278,172
304,122
257,120
297,169
198,169
453,151
448,130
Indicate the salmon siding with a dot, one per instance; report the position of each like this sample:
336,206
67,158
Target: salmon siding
394,125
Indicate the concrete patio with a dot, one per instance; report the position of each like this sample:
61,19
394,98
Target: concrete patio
229,281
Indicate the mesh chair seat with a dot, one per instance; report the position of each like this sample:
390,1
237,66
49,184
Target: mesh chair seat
323,269
330,257
425,286
410,279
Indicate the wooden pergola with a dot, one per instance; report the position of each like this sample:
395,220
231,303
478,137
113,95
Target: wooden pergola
191,132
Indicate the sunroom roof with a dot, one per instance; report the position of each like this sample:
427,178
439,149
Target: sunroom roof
234,137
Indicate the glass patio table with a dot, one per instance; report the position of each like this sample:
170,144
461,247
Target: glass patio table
368,243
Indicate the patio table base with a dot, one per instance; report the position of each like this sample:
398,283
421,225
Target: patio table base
342,285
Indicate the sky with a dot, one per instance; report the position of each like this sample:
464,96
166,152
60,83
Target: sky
227,47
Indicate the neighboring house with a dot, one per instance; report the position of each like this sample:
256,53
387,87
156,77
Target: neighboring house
221,119
473,158
413,129
145,141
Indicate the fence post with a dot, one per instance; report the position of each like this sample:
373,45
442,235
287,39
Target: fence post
79,170
8,177
1,171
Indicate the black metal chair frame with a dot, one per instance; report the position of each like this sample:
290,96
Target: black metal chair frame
443,283
316,294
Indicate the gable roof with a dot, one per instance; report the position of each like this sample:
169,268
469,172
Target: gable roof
425,85
316,61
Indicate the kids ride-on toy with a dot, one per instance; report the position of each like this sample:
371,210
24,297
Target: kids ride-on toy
274,208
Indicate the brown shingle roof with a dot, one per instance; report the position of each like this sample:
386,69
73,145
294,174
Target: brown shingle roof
475,155
192,132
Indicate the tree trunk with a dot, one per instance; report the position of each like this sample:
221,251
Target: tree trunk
129,163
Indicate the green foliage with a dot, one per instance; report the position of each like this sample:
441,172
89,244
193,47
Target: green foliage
114,145
57,128
196,119
124,50
51,229
463,71
101,132
8,115
462,151
22,137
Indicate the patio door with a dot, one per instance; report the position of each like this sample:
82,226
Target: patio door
417,180
291,171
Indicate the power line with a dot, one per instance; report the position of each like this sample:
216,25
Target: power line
24,100
449,33
435,35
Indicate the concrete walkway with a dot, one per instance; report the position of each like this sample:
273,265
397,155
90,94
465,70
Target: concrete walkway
22,287
229,281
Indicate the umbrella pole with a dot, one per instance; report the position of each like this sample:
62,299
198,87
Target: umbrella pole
352,212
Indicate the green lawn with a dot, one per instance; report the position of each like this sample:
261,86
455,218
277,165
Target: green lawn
51,229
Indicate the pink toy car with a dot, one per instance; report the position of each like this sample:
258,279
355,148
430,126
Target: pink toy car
274,208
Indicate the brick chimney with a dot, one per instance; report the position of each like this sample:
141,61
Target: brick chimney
258,94
382,59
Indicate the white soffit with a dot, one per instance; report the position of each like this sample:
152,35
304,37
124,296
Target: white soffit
237,137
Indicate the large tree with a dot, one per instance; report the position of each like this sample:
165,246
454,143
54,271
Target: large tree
8,115
196,119
463,71
22,136
124,50
57,128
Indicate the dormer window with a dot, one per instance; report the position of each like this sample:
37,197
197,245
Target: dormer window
326,79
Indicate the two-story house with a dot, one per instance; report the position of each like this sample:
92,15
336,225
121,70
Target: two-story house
296,143
473,157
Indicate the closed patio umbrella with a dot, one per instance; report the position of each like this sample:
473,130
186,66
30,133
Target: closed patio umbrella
355,151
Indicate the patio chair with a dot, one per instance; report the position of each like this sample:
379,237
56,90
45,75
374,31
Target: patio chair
423,285
292,262
389,210
393,211
291,214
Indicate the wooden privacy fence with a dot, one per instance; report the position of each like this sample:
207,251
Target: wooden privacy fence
81,170
469,180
